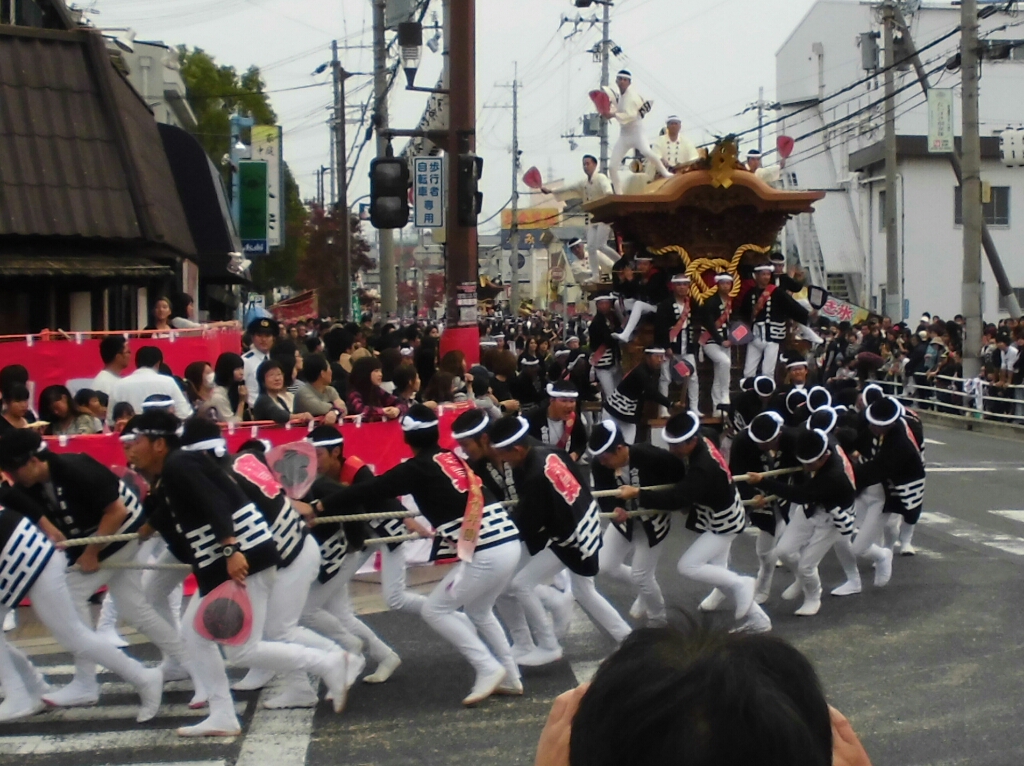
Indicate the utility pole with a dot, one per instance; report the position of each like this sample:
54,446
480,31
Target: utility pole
606,45
893,296
461,241
994,261
340,185
514,232
970,190
760,120
385,237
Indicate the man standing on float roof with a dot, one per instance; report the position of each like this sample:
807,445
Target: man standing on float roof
675,149
594,186
630,110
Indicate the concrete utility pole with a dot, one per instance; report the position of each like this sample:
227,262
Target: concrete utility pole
385,237
606,45
893,293
994,261
513,299
970,190
340,179
461,241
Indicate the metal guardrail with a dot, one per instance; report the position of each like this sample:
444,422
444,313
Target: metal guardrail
956,400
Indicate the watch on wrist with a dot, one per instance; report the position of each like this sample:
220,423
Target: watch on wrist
229,550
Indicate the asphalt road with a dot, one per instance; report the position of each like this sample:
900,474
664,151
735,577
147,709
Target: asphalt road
928,669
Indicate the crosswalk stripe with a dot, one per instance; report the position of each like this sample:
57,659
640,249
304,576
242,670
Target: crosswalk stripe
934,441
1014,515
50,744
277,737
113,712
961,469
973,533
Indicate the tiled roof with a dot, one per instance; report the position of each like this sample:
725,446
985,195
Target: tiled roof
80,153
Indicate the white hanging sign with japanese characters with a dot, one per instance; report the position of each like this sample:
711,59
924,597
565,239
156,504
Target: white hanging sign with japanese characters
428,192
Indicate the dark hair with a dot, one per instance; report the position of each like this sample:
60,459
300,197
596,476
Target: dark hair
49,396
504,363
359,380
337,342
161,421
440,388
85,395
13,373
104,399
481,386
590,157
390,360
313,344
261,372
123,410
180,304
224,369
149,356
313,366
194,379
111,346
455,363
256,446
289,363
403,377
423,438
704,699
15,392
20,445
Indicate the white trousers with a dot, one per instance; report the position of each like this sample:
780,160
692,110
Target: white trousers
275,656
125,586
632,136
394,584
692,384
329,610
474,587
540,569
638,310
608,378
600,255
288,599
868,508
804,544
168,603
762,354
615,549
707,561
721,358
53,604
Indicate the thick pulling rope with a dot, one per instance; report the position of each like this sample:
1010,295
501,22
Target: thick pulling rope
356,517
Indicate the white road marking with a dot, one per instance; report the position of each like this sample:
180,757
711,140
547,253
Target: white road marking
1014,515
584,671
181,763
933,441
49,744
973,533
961,469
277,737
113,712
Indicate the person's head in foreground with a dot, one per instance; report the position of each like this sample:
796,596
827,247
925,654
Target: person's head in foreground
699,699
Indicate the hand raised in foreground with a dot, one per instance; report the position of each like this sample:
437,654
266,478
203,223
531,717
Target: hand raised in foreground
846,747
553,746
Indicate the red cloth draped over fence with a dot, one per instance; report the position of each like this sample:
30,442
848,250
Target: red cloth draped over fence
379,445
56,360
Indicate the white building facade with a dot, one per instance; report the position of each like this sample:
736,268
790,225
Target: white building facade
839,148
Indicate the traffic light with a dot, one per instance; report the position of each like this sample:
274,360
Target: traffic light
470,201
584,3
389,193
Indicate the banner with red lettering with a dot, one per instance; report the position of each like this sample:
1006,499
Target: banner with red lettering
74,360
299,307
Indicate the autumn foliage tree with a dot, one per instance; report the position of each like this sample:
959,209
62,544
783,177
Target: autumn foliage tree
320,264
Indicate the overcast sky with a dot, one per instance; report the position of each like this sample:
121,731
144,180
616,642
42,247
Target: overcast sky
701,59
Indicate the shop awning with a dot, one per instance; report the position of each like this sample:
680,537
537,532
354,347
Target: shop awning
88,266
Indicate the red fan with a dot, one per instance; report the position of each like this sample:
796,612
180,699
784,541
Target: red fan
601,102
785,146
225,615
532,179
294,467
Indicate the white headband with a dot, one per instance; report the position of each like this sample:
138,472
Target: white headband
695,427
332,442
473,431
654,350
524,426
764,267
612,431
724,278
411,424
154,403
778,426
218,446
554,393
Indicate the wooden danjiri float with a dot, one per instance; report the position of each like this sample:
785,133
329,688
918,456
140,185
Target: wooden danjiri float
711,217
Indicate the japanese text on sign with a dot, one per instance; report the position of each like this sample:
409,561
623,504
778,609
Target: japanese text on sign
428,191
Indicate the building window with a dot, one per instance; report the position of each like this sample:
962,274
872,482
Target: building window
881,210
996,211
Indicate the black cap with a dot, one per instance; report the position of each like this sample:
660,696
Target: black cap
605,437
883,412
263,326
18,446
681,428
199,429
796,399
419,418
326,436
765,427
810,446
823,419
817,398
764,385
872,393
747,384
509,431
